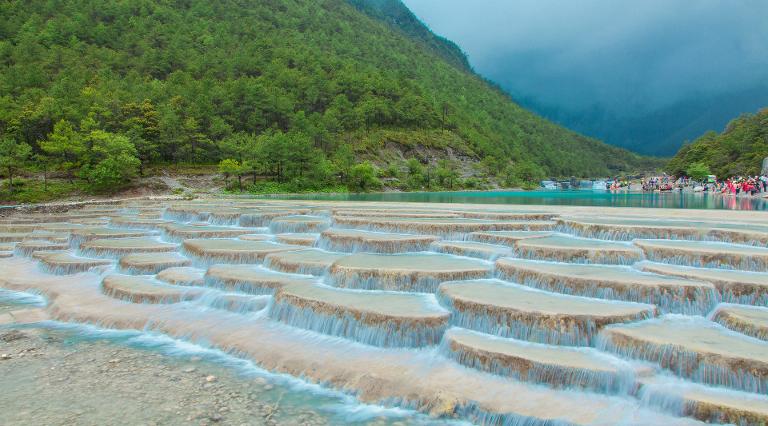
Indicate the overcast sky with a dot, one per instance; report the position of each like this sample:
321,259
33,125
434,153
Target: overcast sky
627,56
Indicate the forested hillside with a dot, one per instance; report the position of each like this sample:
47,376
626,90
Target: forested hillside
294,91
738,150
395,13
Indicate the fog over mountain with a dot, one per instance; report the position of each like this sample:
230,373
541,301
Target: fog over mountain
646,75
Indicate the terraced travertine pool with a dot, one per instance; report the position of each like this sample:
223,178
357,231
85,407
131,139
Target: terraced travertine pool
490,314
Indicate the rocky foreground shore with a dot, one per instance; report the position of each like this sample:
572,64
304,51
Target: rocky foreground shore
49,380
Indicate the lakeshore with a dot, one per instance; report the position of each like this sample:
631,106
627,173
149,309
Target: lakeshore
585,197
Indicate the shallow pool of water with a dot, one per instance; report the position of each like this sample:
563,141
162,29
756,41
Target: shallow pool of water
271,399
68,349
679,200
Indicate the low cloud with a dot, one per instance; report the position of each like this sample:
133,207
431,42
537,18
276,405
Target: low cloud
628,57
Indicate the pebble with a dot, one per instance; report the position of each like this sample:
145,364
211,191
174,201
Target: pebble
202,398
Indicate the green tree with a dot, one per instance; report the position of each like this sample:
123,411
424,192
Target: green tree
698,171
113,173
142,126
492,165
229,167
14,156
446,173
363,177
195,144
43,163
344,159
529,172
236,146
65,147
523,173
417,174
112,163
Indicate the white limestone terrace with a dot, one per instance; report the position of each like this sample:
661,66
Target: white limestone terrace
420,379
695,348
178,232
699,228
708,404
183,275
508,238
448,228
356,240
78,236
511,310
750,320
299,223
552,365
308,261
209,251
384,316
412,272
294,238
252,279
152,263
706,254
374,317
62,262
566,248
144,289
671,294
472,249
743,287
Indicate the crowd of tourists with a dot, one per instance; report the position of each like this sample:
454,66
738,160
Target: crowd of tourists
736,185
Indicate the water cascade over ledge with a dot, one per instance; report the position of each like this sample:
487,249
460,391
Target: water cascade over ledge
490,314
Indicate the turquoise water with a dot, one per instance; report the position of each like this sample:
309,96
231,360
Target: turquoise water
680,200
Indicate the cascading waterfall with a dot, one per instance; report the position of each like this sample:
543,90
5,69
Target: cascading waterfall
232,302
356,241
749,320
63,263
620,379
375,309
688,363
387,333
690,300
669,394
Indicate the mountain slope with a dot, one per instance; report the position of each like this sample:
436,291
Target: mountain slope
290,87
661,131
738,150
395,13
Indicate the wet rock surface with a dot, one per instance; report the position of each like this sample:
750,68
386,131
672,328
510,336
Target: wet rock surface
49,378
492,314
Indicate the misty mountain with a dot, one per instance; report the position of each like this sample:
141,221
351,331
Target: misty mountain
643,75
659,132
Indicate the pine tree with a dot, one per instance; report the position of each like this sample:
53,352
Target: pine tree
14,156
